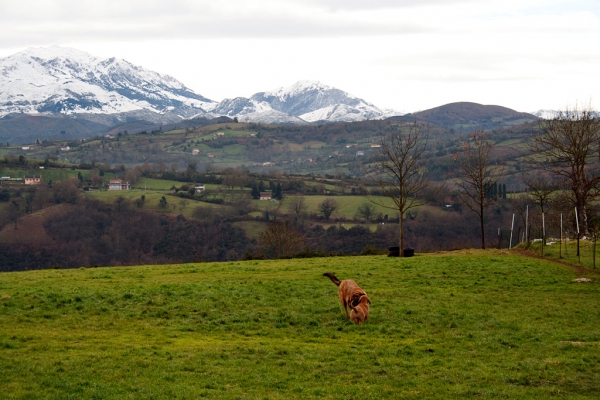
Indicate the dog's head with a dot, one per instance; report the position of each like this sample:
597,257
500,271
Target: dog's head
360,312
357,298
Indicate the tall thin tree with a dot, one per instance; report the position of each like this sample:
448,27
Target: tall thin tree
475,175
399,170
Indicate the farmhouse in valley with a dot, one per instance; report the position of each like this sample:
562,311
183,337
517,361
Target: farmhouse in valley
33,179
265,195
117,184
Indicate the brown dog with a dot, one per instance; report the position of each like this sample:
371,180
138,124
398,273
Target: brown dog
351,295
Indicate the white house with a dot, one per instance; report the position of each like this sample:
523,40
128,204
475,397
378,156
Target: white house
33,179
117,184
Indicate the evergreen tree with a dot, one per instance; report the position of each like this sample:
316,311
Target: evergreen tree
504,191
277,192
255,192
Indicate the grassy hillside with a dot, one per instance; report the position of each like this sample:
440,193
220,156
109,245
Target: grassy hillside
456,325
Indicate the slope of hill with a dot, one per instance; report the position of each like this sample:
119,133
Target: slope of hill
441,326
25,128
465,116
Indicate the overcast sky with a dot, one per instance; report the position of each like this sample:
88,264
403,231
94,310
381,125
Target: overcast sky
401,54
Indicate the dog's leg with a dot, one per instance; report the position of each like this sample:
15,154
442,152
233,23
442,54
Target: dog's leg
345,307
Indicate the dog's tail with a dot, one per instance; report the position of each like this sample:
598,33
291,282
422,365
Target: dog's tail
333,278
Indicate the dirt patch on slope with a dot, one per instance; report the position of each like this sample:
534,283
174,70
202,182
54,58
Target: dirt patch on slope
30,228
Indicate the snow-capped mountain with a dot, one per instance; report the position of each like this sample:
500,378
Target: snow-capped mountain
549,114
545,114
59,80
305,101
68,81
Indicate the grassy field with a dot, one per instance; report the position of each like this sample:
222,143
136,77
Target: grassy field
175,205
568,252
55,175
156,184
466,324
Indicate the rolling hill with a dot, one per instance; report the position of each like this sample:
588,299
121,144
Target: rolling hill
466,116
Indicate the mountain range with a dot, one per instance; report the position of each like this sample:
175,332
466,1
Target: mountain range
63,93
58,80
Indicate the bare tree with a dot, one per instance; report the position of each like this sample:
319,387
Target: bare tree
297,205
567,146
366,211
327,207
282,239
41,196
15,211
540,189
400,172
475,176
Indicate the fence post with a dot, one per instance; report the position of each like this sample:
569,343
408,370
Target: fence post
512,226
527,224
577,219
543,233
594,250
560,243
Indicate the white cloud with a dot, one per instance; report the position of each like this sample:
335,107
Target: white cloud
402,54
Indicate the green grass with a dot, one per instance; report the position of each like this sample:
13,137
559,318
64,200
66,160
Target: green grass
348,205
252,228
175,205
568,252
55,175
156,184
486,324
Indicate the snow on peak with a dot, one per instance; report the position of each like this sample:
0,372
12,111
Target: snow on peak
297,88
545,114
53,52
65,80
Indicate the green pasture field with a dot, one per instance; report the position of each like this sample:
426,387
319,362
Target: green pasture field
56,175
346,225
301,146
253,229
163,184
568,252
234,133
156,184
175,205
348,205
457,325
510,142
327,186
